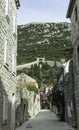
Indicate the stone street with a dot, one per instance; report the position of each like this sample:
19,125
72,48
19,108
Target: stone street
45,120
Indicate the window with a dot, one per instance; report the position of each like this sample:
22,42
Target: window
5,108
6,53
76,14
7,11
7,7
13,99
14,63
14,24
78,54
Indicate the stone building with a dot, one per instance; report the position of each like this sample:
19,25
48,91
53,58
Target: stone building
69,90
73,14
21,101
8,51
27,102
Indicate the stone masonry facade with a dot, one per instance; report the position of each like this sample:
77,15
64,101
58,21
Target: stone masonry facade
69,92
73,14
27,102
8,52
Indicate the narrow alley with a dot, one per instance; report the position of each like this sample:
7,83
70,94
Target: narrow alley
39,65
45,120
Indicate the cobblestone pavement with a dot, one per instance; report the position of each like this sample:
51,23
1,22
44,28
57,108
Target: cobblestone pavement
45,120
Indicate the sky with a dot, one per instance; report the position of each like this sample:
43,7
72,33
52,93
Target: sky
42,11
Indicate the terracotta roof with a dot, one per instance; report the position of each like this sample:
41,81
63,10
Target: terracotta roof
70,8
17,3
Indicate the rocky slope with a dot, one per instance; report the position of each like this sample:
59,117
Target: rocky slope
49,40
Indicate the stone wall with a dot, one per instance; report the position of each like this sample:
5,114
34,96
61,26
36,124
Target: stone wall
75,43
21,105
7,77
27,102
69,93
72,91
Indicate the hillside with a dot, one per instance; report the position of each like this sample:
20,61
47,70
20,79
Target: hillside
48,40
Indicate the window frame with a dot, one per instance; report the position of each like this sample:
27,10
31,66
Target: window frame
78,56
14,24
6,53
7,7
76,13
13,63
5,108
7,10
